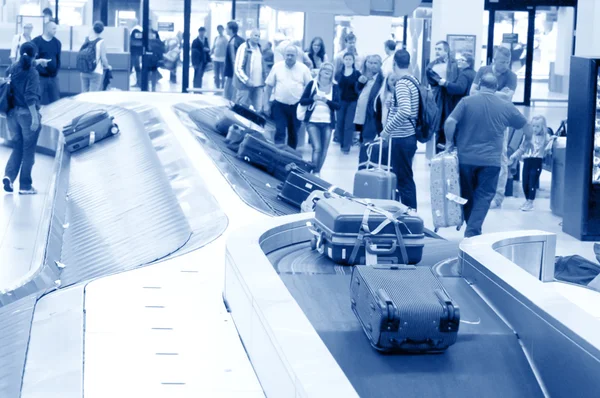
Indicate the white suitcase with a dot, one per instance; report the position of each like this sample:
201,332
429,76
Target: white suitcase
446,202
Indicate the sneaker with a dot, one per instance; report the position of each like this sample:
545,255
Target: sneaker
495,205
30,191
8,186
523,205
528,206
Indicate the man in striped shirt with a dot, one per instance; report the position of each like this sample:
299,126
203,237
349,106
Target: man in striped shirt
400,128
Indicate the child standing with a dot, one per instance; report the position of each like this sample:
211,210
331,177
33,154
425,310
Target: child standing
533,150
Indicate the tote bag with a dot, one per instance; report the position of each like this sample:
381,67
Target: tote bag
301,109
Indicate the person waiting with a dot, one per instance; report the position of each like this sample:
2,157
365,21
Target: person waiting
481,121
92,80
462,86
369,85
316,53
286,83
347,79
388,62
399,129
200,56
250,72
532,150
322,99
23,121
219,51
443,67
48,63
235,41
349,47
19,40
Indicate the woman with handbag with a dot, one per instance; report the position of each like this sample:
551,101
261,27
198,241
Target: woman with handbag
23,120
320,101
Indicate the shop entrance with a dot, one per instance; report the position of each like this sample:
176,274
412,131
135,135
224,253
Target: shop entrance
540,38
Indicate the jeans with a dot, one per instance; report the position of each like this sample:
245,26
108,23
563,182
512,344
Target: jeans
24,142
49,89
219,69
250,96
198,75
284,116
320,136
229,90
477,185
403,153
91,82
136,64
503,177
532,169
344,129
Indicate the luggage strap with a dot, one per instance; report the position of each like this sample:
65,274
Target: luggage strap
389,218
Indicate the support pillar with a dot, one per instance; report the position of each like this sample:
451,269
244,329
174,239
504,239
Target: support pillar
320,24
588,28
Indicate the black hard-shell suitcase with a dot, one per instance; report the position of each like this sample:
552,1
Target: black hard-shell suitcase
269,158
89,128
229,118
392,235
299,185
249,114
404,308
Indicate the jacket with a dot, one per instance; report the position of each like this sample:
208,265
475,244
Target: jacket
199,55
243,65
370,128
307,100
444,100
234,43
24,86
461,87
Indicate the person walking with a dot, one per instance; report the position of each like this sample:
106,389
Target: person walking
481,121
507,84
369,84
200,56
234,43
347,79
399,131
286,83
322,99
48,63
250,72
219,51
91,80
317,55
19,40
23,121
350,47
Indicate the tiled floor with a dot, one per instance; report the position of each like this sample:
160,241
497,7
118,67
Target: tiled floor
20,220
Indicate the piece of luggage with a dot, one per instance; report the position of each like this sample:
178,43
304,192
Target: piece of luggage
376,183
249,114
575,269
229,118
269,158
89,128
299,185
404,308
350,231
446,202
236,135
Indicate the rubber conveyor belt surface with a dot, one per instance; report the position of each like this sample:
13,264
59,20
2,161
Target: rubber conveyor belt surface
486,361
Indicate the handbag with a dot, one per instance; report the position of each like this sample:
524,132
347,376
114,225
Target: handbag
301,109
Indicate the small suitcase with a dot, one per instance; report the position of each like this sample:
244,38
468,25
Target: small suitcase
351,232
236,135
249,114
269,158
446,203
89,128
404,308
376,183
299,185
229,118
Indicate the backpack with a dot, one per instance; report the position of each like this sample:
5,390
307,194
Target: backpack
87,58
427,121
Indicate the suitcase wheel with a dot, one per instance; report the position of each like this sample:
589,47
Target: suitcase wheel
458,227
436,230
313,243
114,130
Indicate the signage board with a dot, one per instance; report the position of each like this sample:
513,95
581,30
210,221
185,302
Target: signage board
510,38
166,26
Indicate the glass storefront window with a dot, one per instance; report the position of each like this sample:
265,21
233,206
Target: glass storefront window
277,26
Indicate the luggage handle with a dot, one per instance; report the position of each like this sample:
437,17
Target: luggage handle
386,303
373,249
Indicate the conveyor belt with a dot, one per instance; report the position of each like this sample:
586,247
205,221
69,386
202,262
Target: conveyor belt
487,360
254,186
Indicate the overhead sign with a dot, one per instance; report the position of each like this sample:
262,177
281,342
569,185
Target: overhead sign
510,38
166,26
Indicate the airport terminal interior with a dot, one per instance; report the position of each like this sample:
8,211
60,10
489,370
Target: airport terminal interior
159,258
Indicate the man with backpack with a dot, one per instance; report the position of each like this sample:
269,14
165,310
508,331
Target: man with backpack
408,122
92,61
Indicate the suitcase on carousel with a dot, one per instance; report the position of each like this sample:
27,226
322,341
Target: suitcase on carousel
89,128
446,202
249,114
339,232
377,182
269,158
229,118
299,185
403,308
236,135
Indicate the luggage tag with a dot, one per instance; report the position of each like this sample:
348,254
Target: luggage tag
455,198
